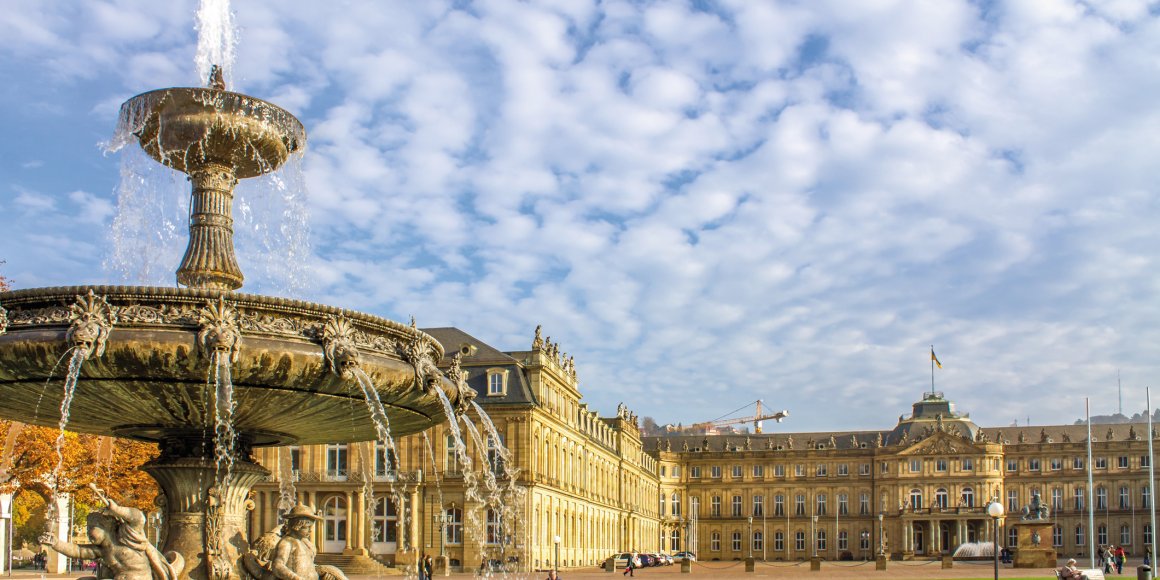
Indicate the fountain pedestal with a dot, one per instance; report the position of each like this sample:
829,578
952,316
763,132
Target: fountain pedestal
205,510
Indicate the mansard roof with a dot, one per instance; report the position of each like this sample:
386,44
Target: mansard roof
476,356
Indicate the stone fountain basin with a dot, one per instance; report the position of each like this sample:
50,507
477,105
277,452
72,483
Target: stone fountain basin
185,128
152,378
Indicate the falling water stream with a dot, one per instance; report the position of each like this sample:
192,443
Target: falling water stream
287,494
223,417
383,431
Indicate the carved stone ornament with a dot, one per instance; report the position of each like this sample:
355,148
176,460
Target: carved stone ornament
942,445
417,352
91,319
3,320
219,330
466,393
338,346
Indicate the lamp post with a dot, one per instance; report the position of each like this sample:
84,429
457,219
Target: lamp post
995,510
556,540
814,534
865,544
751,537
441,521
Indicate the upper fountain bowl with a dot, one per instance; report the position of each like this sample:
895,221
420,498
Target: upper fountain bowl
186,128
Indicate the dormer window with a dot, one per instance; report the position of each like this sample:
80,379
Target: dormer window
497,382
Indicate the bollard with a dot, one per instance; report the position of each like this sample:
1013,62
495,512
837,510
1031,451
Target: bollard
948,562
686,566
880,562
610,564
1144,572
749,565
441,567
815,564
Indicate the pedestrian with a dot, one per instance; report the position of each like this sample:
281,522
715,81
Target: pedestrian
422,572
428,566
628,568
553,575
1120,554
1107,557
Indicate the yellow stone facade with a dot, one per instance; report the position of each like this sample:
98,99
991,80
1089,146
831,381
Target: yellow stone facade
917,490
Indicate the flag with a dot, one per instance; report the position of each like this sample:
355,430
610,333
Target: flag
935,358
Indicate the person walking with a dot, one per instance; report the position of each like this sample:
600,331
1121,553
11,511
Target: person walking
1107,557
628,568
1120,554
428,566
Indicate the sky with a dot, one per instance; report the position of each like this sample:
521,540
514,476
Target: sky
705,203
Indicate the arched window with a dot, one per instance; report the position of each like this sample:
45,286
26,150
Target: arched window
941,498
758,541
454,526
821,540
676,505
968,497
916,499
1102,534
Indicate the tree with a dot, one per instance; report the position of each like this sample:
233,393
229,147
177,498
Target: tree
5,283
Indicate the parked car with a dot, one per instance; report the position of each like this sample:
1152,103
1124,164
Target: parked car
682,556
621,560
647,560
666,559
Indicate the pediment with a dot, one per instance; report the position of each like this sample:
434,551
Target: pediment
943,443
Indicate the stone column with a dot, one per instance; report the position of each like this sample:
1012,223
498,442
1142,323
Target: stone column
349,547
61,528
413,519
5,521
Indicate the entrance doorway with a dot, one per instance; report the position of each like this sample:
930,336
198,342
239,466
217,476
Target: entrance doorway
334,525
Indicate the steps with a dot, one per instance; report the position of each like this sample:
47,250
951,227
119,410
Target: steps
356,565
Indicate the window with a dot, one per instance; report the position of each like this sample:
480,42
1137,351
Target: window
295,459
1012,501
778,541
384,522
779,470
758,541
799,505
758,506
799,470
1057,536
799,541
736,541
1056,499
941,498
843,504
676,471
695,506
675,541
695,472
1012,465
1102,502
863,469
864,504
822,470
736,506
1125,535
494,457
386,462
450,462
1102,534
1077,463
715,542
1125,498
758,471
779,505
676,504
1056,464
968,497
497,382
884,467
1145,461
915,465
715,472
454,526
916,499
1147,533
1012,536
843,469
864,542
494,527
736,471
662,506
1033,464
940,465
664,471
821,504
821,540
715,506
968,465
843,540
1079,541
1079,498
1101,463
336,461
1145,498
1122,462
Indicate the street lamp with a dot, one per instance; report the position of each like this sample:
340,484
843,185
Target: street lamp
556,539
865,543
995,510
814,533
441,521
751,537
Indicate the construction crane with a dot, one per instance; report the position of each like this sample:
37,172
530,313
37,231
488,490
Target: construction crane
756,419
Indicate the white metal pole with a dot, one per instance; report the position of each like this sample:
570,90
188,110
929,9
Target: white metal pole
1151,479
1090,497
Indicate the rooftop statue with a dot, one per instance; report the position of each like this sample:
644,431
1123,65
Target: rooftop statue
118,538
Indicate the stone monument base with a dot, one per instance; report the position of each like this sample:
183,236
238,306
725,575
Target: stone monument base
1033,549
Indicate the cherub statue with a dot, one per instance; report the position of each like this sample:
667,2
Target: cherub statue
293,553
118,538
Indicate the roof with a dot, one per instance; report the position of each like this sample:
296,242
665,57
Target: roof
475,356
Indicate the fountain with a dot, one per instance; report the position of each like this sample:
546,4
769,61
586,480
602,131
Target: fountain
205,372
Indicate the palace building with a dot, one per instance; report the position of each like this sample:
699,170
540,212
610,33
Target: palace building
594,486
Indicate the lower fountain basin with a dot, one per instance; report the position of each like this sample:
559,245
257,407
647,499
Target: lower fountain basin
153,376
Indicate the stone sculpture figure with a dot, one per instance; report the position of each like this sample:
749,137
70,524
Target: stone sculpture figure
293,554
118,538
1036,510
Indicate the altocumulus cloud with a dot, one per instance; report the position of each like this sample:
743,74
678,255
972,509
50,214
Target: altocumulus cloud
705,203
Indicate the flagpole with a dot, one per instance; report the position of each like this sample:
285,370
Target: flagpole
1091,498
1151,479
932,369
